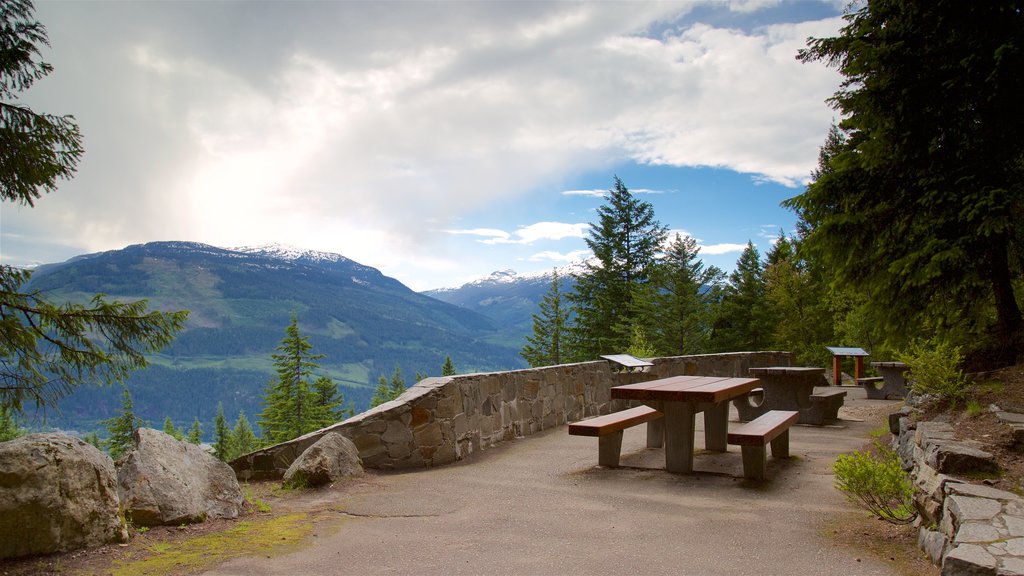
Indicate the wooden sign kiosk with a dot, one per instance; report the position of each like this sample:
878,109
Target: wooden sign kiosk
838,353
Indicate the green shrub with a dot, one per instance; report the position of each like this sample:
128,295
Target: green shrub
935,369
878,484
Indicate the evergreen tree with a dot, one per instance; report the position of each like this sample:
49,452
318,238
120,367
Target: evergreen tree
10,427
46,349
221,434
799,299
625,242
742,323
388,390
448,369
243,440
678,304
195,433
121,428
171,431
94,439
289,402
328,403
921,206
544,346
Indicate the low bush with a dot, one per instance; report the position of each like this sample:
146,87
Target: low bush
877,483
935,369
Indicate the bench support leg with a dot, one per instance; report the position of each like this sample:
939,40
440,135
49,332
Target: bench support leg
656,433
754,462
608,449
716,427
780,445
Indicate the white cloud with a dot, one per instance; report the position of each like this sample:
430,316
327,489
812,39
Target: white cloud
574,256
528,234
718,249
326,124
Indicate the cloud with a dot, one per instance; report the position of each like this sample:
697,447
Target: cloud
718,249
528,234
574,256
324,124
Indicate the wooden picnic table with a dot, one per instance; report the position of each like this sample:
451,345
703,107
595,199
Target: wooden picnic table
680,398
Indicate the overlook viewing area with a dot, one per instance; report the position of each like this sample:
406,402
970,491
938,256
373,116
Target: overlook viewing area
520,495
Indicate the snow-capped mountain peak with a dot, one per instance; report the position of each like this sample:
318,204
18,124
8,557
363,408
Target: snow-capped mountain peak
291,253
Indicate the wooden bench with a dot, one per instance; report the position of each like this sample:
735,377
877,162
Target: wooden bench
825,407
752,437
609,428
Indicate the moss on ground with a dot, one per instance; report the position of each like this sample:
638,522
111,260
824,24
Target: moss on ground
270,537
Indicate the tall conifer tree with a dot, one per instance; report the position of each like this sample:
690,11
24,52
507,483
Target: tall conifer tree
289,401
625,242
550,326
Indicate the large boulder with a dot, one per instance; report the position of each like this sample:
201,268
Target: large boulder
164,481
57,493
332,458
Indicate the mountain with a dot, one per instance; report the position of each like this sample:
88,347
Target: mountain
241,300
507,298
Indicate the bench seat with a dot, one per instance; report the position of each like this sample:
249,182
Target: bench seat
825,407
609,428
771,427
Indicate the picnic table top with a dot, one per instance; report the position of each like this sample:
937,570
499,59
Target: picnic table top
889,365
698,389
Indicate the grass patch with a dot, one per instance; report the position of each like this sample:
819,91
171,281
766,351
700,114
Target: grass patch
266,537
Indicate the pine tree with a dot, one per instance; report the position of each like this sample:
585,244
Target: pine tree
328,403
388,390
742,322
10,428
243,440
679,303
625,242
544,346
171,431
921,202
289,402
221,434
448,368
94,439
121,428
195,433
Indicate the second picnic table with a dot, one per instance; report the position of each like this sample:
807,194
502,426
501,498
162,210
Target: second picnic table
680,398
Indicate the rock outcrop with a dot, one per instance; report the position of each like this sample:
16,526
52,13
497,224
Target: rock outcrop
332,458
57,493
164,481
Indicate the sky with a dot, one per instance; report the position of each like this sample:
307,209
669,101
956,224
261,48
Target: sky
435,141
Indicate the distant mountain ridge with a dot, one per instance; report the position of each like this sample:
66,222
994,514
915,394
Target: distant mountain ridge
508,298
241,300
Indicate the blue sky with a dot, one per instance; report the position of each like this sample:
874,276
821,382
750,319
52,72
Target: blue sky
437,141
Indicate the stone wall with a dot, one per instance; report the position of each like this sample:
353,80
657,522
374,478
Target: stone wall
964,528
442,420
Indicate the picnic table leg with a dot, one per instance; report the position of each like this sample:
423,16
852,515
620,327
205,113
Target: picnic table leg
716,427
679,422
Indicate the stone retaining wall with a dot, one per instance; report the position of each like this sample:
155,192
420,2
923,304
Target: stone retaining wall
443,420
964,528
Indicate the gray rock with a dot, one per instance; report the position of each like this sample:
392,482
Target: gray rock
57,493
981,492
958,458
333,457
933,543
164,481
968,560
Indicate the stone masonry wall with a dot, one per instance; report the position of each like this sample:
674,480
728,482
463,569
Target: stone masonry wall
442,420
964,528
